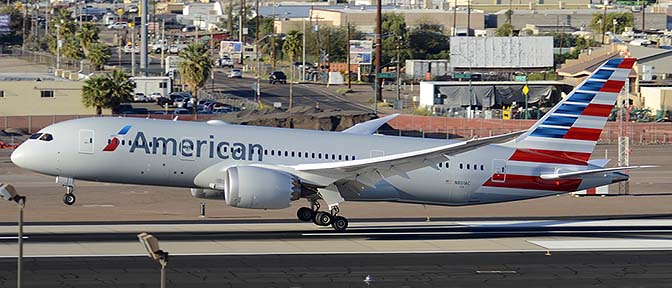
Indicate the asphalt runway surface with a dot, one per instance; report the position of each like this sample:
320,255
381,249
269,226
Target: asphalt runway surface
566,269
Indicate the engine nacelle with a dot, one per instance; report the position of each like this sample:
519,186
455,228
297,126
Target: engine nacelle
260,188
207,194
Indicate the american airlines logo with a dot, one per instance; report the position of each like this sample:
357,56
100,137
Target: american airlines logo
188,147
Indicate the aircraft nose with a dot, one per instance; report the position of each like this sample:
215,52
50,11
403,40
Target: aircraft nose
18,157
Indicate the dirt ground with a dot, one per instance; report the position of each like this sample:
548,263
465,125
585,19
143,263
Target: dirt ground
651,194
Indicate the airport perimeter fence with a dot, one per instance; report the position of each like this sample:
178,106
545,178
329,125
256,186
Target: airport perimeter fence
50,60
228,99
405,125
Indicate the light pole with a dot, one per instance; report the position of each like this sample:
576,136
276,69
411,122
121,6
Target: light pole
8,193
151,244
258,74
471,94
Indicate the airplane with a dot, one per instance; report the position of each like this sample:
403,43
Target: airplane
268,168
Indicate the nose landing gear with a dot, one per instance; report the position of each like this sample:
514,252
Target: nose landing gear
69,184
69,197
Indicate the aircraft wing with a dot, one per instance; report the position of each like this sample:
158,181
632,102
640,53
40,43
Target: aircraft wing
369,127
371,170
577,174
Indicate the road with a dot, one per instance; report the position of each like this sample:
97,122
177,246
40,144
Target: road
310,95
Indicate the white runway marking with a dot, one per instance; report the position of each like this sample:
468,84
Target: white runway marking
605,244
12,238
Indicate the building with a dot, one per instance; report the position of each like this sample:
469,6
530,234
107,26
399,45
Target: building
34,94
363,17
657,99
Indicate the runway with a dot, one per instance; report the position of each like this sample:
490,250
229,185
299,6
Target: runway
569,269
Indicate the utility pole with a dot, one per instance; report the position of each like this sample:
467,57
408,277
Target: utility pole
58,46
455,19
303,53
347,55
468,18
143,36
212,56
604,21
164,44
379,54
133,51
398,74
241,24
643,15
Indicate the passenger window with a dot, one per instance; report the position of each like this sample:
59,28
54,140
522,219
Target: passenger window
319,155
440,165
340,157
468,167
292,154
313,155
482,167
447,164
286,153
266,152
353,157
272,152
123,142
346,157
35,136
461,166
475,167
299,154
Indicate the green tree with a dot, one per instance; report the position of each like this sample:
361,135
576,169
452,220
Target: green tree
623,20
395,33
120,88
72,50
427,41
508,15
195,67
292,46
107,91
98,55
505,29
94,93
87,36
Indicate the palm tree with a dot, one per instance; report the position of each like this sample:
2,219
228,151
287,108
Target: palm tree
87,36
98,55
120,87
94,93
195,67
292,46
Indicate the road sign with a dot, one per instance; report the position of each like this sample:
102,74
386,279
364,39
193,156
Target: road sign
386,75
360,51
520,78
461,75
526,90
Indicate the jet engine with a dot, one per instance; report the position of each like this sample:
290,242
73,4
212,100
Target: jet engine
260,188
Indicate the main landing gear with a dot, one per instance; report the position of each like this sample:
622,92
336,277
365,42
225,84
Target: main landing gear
69,197
322,218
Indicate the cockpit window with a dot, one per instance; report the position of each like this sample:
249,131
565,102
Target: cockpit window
35,136
46,137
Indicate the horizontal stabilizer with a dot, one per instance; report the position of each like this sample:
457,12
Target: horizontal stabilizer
599,162
577,174
369,127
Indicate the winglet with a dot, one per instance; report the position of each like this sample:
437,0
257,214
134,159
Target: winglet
369,127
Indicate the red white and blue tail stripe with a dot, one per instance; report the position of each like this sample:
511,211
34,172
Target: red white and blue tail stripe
568,133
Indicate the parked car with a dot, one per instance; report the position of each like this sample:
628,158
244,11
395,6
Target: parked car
140,97
236,73
118,25
181,111
189,28
277,77
176,48
162,101
154,96
133,9
130,49
174,26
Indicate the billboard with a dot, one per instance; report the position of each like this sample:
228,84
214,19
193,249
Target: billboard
360,51
172,62
230,47
501,52
5,24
